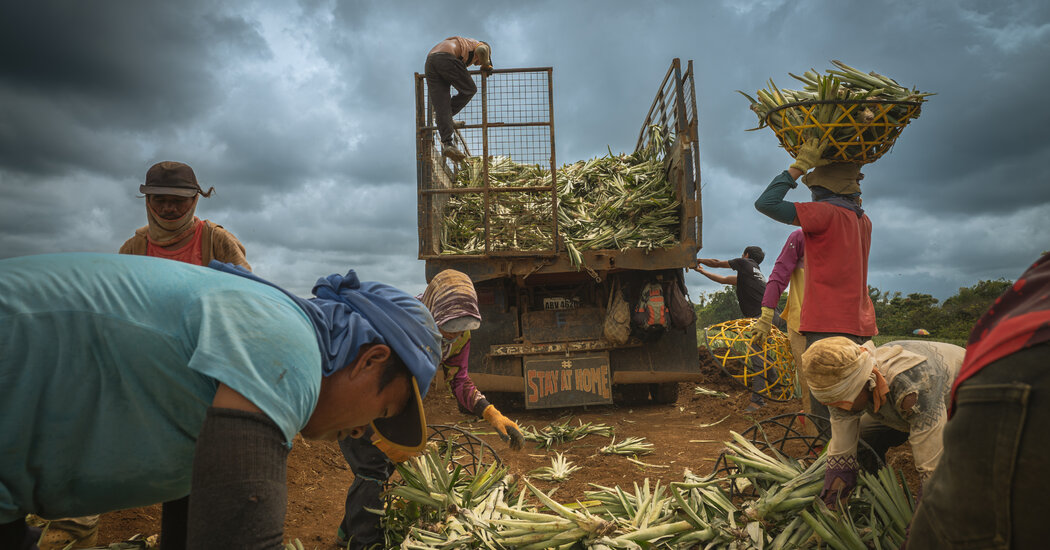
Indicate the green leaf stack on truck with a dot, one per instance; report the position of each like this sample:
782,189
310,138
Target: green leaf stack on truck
549,246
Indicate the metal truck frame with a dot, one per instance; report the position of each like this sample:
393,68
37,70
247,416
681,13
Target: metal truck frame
541,335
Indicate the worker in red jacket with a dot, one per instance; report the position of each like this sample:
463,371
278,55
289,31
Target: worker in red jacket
991,485
837,237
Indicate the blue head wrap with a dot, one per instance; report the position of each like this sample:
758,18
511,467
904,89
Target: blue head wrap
348,314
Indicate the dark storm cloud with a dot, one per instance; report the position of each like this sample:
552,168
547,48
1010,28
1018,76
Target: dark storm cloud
302,117
979,141
361,218
72,73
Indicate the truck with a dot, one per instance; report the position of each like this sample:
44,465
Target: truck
543,306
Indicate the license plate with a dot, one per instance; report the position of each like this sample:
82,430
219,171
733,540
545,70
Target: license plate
560,303
567,381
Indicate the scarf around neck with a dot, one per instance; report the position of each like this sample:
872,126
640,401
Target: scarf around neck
166,232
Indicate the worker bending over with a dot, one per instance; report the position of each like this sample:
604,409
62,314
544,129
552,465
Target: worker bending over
129,380
887,395
453,302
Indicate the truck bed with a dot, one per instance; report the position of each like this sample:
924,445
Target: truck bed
513,118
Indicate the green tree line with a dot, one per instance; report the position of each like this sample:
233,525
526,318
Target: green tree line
895,313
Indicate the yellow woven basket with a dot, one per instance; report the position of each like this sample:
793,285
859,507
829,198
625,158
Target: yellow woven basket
729,343
858,131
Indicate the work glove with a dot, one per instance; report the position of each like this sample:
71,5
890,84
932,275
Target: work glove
809,155
507,429
760,330
486,70
394,453
840,478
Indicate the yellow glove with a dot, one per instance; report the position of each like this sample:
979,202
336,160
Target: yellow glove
508,430
393,452
761,328
809,154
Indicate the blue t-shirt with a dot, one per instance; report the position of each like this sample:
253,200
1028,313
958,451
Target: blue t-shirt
107,367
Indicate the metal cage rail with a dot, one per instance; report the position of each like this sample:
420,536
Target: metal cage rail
511,117
674,108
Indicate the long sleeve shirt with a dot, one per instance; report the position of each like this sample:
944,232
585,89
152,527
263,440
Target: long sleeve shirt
924,422
454,367
837,242
771,202
787,273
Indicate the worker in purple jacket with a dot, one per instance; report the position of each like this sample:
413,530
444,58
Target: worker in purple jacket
453,302
788,273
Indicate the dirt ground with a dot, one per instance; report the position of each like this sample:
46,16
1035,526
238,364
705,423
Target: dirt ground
318,475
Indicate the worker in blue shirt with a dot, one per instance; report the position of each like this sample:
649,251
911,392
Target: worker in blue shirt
130,380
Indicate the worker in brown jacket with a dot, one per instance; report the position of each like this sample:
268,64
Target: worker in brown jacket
174,231
446,68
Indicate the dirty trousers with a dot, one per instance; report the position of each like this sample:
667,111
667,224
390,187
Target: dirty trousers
371,470
443,72
989,489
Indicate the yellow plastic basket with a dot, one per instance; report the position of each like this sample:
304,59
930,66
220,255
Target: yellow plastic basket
729,343
858,131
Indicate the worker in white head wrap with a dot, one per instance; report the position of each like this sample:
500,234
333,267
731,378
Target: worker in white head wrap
887,395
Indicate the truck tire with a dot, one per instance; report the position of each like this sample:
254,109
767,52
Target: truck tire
664,393
506,401
632,394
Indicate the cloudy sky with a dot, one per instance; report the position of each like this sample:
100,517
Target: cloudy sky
301,115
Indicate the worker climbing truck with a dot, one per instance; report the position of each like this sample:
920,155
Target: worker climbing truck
579,268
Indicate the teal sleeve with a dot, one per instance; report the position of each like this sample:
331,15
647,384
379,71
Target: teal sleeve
771,202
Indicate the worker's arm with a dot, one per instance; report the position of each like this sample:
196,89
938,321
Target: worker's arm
238,492
840,473
227,398
926,445
226,248
457,377
470,399
787,261
726,280
771,202
710,262
921,393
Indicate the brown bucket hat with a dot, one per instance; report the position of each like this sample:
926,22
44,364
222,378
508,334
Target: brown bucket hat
170,178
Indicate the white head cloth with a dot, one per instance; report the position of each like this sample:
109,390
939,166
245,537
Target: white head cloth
836,368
